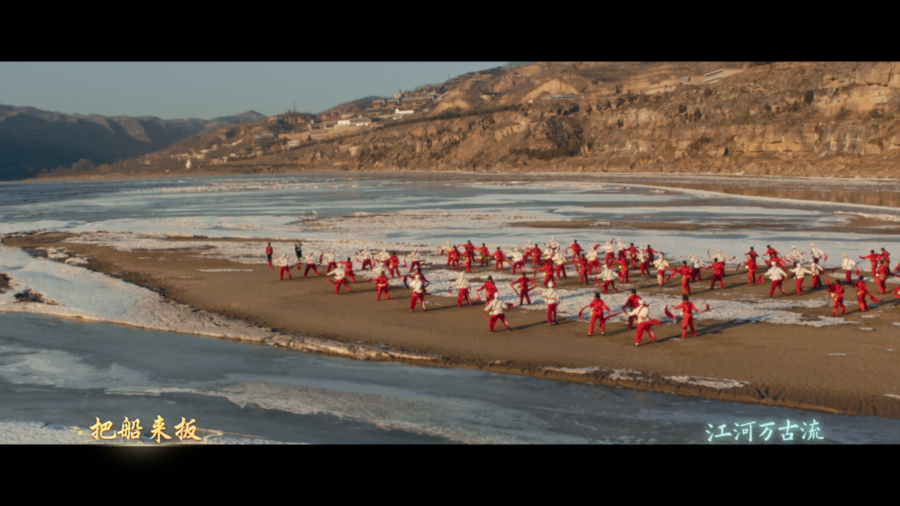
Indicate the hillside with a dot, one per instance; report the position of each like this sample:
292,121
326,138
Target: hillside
203,125
805,119
34,139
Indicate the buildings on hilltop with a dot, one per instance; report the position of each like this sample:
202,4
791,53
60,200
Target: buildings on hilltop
331,124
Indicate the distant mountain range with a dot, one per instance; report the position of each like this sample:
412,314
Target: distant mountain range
34,139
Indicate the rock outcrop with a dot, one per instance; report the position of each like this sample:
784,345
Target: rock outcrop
801,119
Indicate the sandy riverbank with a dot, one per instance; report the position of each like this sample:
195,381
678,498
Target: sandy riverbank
837,369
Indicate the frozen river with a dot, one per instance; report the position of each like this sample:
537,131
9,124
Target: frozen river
59,373
57,376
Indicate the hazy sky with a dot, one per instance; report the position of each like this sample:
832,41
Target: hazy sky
210,89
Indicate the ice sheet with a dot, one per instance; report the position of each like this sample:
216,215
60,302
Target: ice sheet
90,295
709,382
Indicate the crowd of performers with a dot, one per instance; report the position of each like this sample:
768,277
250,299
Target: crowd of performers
606,263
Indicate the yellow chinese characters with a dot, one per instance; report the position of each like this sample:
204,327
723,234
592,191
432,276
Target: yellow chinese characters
98,430
186,430
131,430
158,427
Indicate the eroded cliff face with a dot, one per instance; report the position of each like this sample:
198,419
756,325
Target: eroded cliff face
809,119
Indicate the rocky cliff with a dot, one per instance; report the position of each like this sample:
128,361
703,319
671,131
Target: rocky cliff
833,119
806,119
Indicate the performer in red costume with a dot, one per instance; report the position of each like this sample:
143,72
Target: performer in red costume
687,315
632,301
816,270
777,275
848,265
536,260
696,266
608,258
772,254
329,260
414,261
594,263
718,269
418,272
861,293
499,259
836,291
873,258
469,250
283,268
881,274
445,250
551,296
576,250
348,270
417,286
381,285
367,262
468,258
547,269
393,265
623,270
526,252
496,309
523,291
799,272
751,266
597,308
311,264
462,287
339,279
269,252
633,256
489,289
623,251
485,254
383,257
650,252
453,258
662,265
752,254
643,260
559,265
685,271
518,261
581,266
644,323
609,278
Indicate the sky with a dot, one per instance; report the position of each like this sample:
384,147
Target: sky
207,90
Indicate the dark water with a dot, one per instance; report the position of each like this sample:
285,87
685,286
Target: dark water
68,373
